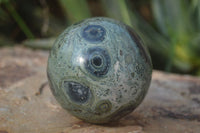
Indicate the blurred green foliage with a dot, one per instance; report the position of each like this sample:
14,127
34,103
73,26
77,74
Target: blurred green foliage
170,28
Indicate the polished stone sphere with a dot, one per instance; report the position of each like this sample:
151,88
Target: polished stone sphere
99,70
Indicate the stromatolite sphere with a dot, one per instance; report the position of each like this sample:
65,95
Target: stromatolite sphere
99,70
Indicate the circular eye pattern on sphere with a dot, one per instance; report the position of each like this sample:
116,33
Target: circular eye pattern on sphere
94,33
99,70
103,106
97,61
77,92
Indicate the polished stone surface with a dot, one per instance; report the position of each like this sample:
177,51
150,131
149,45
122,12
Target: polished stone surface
99,70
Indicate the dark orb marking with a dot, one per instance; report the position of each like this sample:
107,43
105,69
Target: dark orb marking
138,41
103,106
94,33
77,92
97,61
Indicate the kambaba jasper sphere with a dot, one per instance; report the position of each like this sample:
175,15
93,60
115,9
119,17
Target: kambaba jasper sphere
99,70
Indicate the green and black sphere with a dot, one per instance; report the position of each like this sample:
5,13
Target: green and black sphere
99,70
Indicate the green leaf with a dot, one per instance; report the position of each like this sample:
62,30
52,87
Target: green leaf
76,10
117,9
172,17
19,20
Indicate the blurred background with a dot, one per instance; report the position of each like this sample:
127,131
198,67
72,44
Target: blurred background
169,28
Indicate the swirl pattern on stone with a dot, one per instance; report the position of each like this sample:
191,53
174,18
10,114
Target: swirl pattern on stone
97,61
103,106
77,92
94,33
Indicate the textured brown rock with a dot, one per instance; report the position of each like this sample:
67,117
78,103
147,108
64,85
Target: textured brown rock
27,105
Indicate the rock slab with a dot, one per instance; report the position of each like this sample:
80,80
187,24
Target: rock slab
28,106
